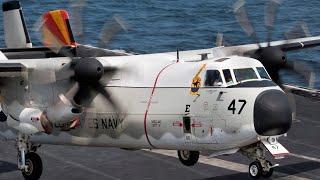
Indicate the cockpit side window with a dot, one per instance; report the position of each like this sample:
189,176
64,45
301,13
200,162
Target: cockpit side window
213,78
245,74
227,76
263,73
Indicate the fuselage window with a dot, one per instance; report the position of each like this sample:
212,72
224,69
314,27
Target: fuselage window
263,73
213,78
245,74
227,76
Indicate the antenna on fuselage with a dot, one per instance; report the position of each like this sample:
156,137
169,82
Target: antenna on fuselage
204,56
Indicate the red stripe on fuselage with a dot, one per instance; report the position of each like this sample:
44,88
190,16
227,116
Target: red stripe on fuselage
149,102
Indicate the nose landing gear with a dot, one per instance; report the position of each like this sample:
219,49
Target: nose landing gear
260,167
257,169
29,162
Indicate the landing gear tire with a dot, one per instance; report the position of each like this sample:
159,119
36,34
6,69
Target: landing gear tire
188,158
260,167
255,170
34,166
267,174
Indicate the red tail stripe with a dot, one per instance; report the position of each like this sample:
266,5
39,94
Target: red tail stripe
50,24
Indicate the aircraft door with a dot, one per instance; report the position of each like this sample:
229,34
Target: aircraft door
198,130
187,129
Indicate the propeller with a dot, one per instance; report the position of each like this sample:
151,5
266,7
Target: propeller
77,8
84,70
270,16
300,30
243,20
273,58
88,70
219,40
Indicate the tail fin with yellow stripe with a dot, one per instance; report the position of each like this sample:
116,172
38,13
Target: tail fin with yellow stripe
57,30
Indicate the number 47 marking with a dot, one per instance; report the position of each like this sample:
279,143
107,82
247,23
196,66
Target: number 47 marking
232,106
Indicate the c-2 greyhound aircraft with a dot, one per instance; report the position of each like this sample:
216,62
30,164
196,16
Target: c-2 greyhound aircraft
224,99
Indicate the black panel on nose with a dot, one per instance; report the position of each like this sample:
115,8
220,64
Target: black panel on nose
272,113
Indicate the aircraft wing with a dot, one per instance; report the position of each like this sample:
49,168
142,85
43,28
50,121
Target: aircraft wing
284,45
11,69
246,49
311,94
295,44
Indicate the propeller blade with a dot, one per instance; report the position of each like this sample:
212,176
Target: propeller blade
105,93
243,20
270,16
39,27
67,71
291,98
76,18
56,36
300,30
66,98
292,103
224,40
110,30
219,40
87,92
274,74
300,67
84,95
57,46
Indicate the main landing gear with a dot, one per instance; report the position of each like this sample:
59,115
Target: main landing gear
260,167
29,162
188,158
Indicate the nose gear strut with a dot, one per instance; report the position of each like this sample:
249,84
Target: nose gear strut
260,166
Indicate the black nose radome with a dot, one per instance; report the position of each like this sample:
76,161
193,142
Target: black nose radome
272,113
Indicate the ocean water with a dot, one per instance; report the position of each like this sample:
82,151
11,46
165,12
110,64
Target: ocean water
164,25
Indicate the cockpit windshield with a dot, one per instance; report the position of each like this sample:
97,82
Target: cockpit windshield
228,77
263,73
245,74
213,78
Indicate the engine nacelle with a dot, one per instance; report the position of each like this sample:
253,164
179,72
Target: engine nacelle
62,113
31,121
